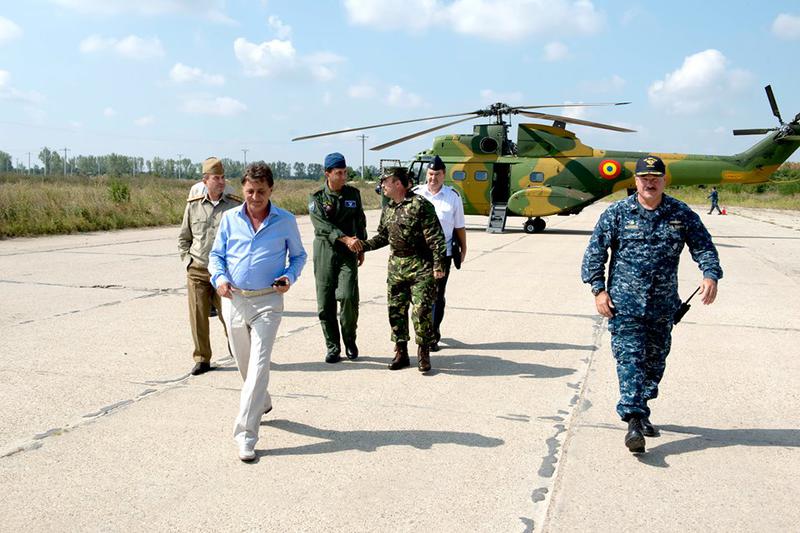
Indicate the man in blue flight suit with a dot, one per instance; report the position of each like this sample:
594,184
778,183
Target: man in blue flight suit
645,233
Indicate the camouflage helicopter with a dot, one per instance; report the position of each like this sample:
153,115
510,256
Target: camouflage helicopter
549,171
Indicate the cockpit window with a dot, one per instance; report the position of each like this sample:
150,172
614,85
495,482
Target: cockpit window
537,177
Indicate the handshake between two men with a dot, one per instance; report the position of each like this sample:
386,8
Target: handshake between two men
355,245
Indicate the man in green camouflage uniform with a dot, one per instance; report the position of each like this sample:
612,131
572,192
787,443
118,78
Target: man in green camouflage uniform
338,218
410,227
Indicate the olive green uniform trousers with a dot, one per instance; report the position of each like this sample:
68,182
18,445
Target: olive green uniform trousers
336,274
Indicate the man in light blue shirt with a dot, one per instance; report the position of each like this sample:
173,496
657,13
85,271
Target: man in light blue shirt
248,266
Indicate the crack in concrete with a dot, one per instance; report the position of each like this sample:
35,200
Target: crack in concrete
87,246
38,439
552,463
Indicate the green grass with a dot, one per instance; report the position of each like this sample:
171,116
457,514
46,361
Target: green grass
56,205
772,196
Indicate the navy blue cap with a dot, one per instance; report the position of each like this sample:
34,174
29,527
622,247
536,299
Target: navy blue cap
334,160
436,163
650,165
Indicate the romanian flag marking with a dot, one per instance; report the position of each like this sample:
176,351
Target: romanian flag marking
610,169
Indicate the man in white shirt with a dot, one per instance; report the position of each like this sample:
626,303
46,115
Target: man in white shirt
450,210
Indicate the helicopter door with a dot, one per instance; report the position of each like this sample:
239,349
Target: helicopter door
501,183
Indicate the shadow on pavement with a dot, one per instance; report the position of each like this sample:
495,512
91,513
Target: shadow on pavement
363,362
705,438
308,314
370,441
532,346
488,365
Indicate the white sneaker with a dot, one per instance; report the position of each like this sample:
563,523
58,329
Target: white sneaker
246,453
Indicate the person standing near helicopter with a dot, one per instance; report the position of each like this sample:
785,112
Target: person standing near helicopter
646,233
450,211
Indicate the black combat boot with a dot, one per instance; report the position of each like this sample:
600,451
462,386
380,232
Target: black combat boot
648,429
400,357
424,358
634,439
351,350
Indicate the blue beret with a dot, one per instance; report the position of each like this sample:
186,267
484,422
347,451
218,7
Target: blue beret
436,163
650,165
334,160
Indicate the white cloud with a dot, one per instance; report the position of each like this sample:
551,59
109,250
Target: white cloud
786,26
361,92
145,120
555,51
278,58
181,73
7,92
222,106
265,59
109,112
213,10
399,97
703,80
498,20
281,30
327,98
132,46
489,96
9,30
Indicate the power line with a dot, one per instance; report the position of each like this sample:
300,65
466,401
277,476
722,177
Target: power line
363,138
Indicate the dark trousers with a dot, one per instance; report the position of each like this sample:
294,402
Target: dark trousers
640,346
438,305
714,205
336,275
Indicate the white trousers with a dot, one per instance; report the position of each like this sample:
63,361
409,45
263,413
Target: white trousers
252,326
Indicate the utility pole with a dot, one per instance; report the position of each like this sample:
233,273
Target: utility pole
245,150
29,163
179,165
65,159
363,174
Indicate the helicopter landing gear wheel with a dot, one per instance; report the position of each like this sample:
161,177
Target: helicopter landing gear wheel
534,225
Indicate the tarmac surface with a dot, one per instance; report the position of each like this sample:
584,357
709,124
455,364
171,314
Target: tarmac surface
514,430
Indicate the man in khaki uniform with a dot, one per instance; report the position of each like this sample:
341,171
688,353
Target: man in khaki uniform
198,229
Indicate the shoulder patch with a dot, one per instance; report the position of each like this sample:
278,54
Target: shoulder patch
195,198
237,198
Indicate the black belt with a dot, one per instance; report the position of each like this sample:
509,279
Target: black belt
404,253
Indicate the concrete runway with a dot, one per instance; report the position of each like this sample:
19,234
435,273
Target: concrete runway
515,430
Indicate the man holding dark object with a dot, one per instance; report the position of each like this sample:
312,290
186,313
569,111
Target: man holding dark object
450,212
256,258
646,233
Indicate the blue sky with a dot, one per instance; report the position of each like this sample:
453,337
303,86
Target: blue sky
213,77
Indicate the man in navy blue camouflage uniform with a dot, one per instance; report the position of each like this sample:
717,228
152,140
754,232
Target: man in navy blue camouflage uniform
645,233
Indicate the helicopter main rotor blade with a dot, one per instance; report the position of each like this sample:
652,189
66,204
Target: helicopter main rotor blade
570,120
570,105
754,131
417,134
773,103
382,125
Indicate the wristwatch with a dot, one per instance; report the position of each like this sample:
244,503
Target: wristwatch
597,290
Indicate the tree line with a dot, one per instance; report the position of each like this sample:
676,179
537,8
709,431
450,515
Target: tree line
53,162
